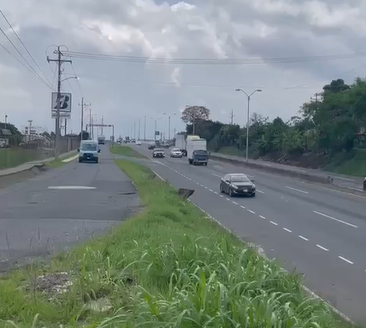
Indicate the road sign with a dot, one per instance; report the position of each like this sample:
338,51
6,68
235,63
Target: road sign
65,102
62,114
157,133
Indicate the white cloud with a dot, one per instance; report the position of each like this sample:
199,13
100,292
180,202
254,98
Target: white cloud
126,90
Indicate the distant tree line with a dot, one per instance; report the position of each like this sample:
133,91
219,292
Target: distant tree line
333,122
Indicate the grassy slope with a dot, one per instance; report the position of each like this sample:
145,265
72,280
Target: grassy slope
168,265
126,151
349,164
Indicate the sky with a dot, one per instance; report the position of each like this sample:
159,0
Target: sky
230,44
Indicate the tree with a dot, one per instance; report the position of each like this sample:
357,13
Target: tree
193,114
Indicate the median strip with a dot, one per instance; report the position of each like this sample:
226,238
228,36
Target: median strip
169,266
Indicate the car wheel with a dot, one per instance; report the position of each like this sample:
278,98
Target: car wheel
221,190
230,192
80,160
252,195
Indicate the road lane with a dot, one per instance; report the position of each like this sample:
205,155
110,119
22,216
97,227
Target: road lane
36,221
283,221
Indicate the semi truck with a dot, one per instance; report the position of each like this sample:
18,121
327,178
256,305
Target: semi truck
197,153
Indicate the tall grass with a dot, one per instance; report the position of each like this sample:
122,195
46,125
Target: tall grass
168,267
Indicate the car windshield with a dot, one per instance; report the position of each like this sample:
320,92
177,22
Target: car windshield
200,152
239,178
89,146
158,149
175,149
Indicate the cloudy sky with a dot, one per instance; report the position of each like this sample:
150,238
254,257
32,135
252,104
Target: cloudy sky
131,84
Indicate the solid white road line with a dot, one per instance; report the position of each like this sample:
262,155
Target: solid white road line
298,190
337,220
260,191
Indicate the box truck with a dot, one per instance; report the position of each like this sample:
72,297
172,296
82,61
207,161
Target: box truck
197,151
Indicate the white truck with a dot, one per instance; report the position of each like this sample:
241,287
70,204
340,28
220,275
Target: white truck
180,142
197,151
101,140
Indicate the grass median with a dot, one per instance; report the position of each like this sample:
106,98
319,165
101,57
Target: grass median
126,151
169,266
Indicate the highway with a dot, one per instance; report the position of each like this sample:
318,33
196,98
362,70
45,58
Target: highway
62,207
319,231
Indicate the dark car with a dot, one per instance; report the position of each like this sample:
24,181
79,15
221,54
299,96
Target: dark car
150,146
237,184
158,152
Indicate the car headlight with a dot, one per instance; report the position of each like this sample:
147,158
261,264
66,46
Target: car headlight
253,186
235,187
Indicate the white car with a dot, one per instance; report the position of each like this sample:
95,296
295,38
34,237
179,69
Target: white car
138,143
175,152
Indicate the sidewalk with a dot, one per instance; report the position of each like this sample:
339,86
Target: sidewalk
29,165
350,182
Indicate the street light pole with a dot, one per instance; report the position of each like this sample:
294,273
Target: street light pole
248,114
169,116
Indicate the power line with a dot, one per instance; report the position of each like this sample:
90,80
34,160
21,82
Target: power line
211,61
21,55
24,46
16,58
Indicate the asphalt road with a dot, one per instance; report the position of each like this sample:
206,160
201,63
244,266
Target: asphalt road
62,207
319,231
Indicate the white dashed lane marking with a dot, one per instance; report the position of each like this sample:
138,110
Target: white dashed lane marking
345,260
273,222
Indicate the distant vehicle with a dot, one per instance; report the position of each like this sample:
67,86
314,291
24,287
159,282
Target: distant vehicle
237,184
197,151
138,142
175,152
133,140
89,151
158,152
101,140
151,146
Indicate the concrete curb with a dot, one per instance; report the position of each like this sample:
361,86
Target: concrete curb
31,165
306,176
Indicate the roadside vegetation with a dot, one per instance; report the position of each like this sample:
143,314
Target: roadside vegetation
329,131
125,151
169,266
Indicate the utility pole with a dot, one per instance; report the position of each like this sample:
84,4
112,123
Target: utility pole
59,62
90,124
139,129
83,105
232,117
145,128
102,124
65,126
134,130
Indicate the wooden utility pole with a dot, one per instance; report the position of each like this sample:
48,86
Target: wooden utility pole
59,62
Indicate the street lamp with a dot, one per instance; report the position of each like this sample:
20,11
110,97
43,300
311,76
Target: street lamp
70,78
247,139
169,116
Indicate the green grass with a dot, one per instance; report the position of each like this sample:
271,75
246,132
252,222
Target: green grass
126,151
352,163
168,267
16,156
